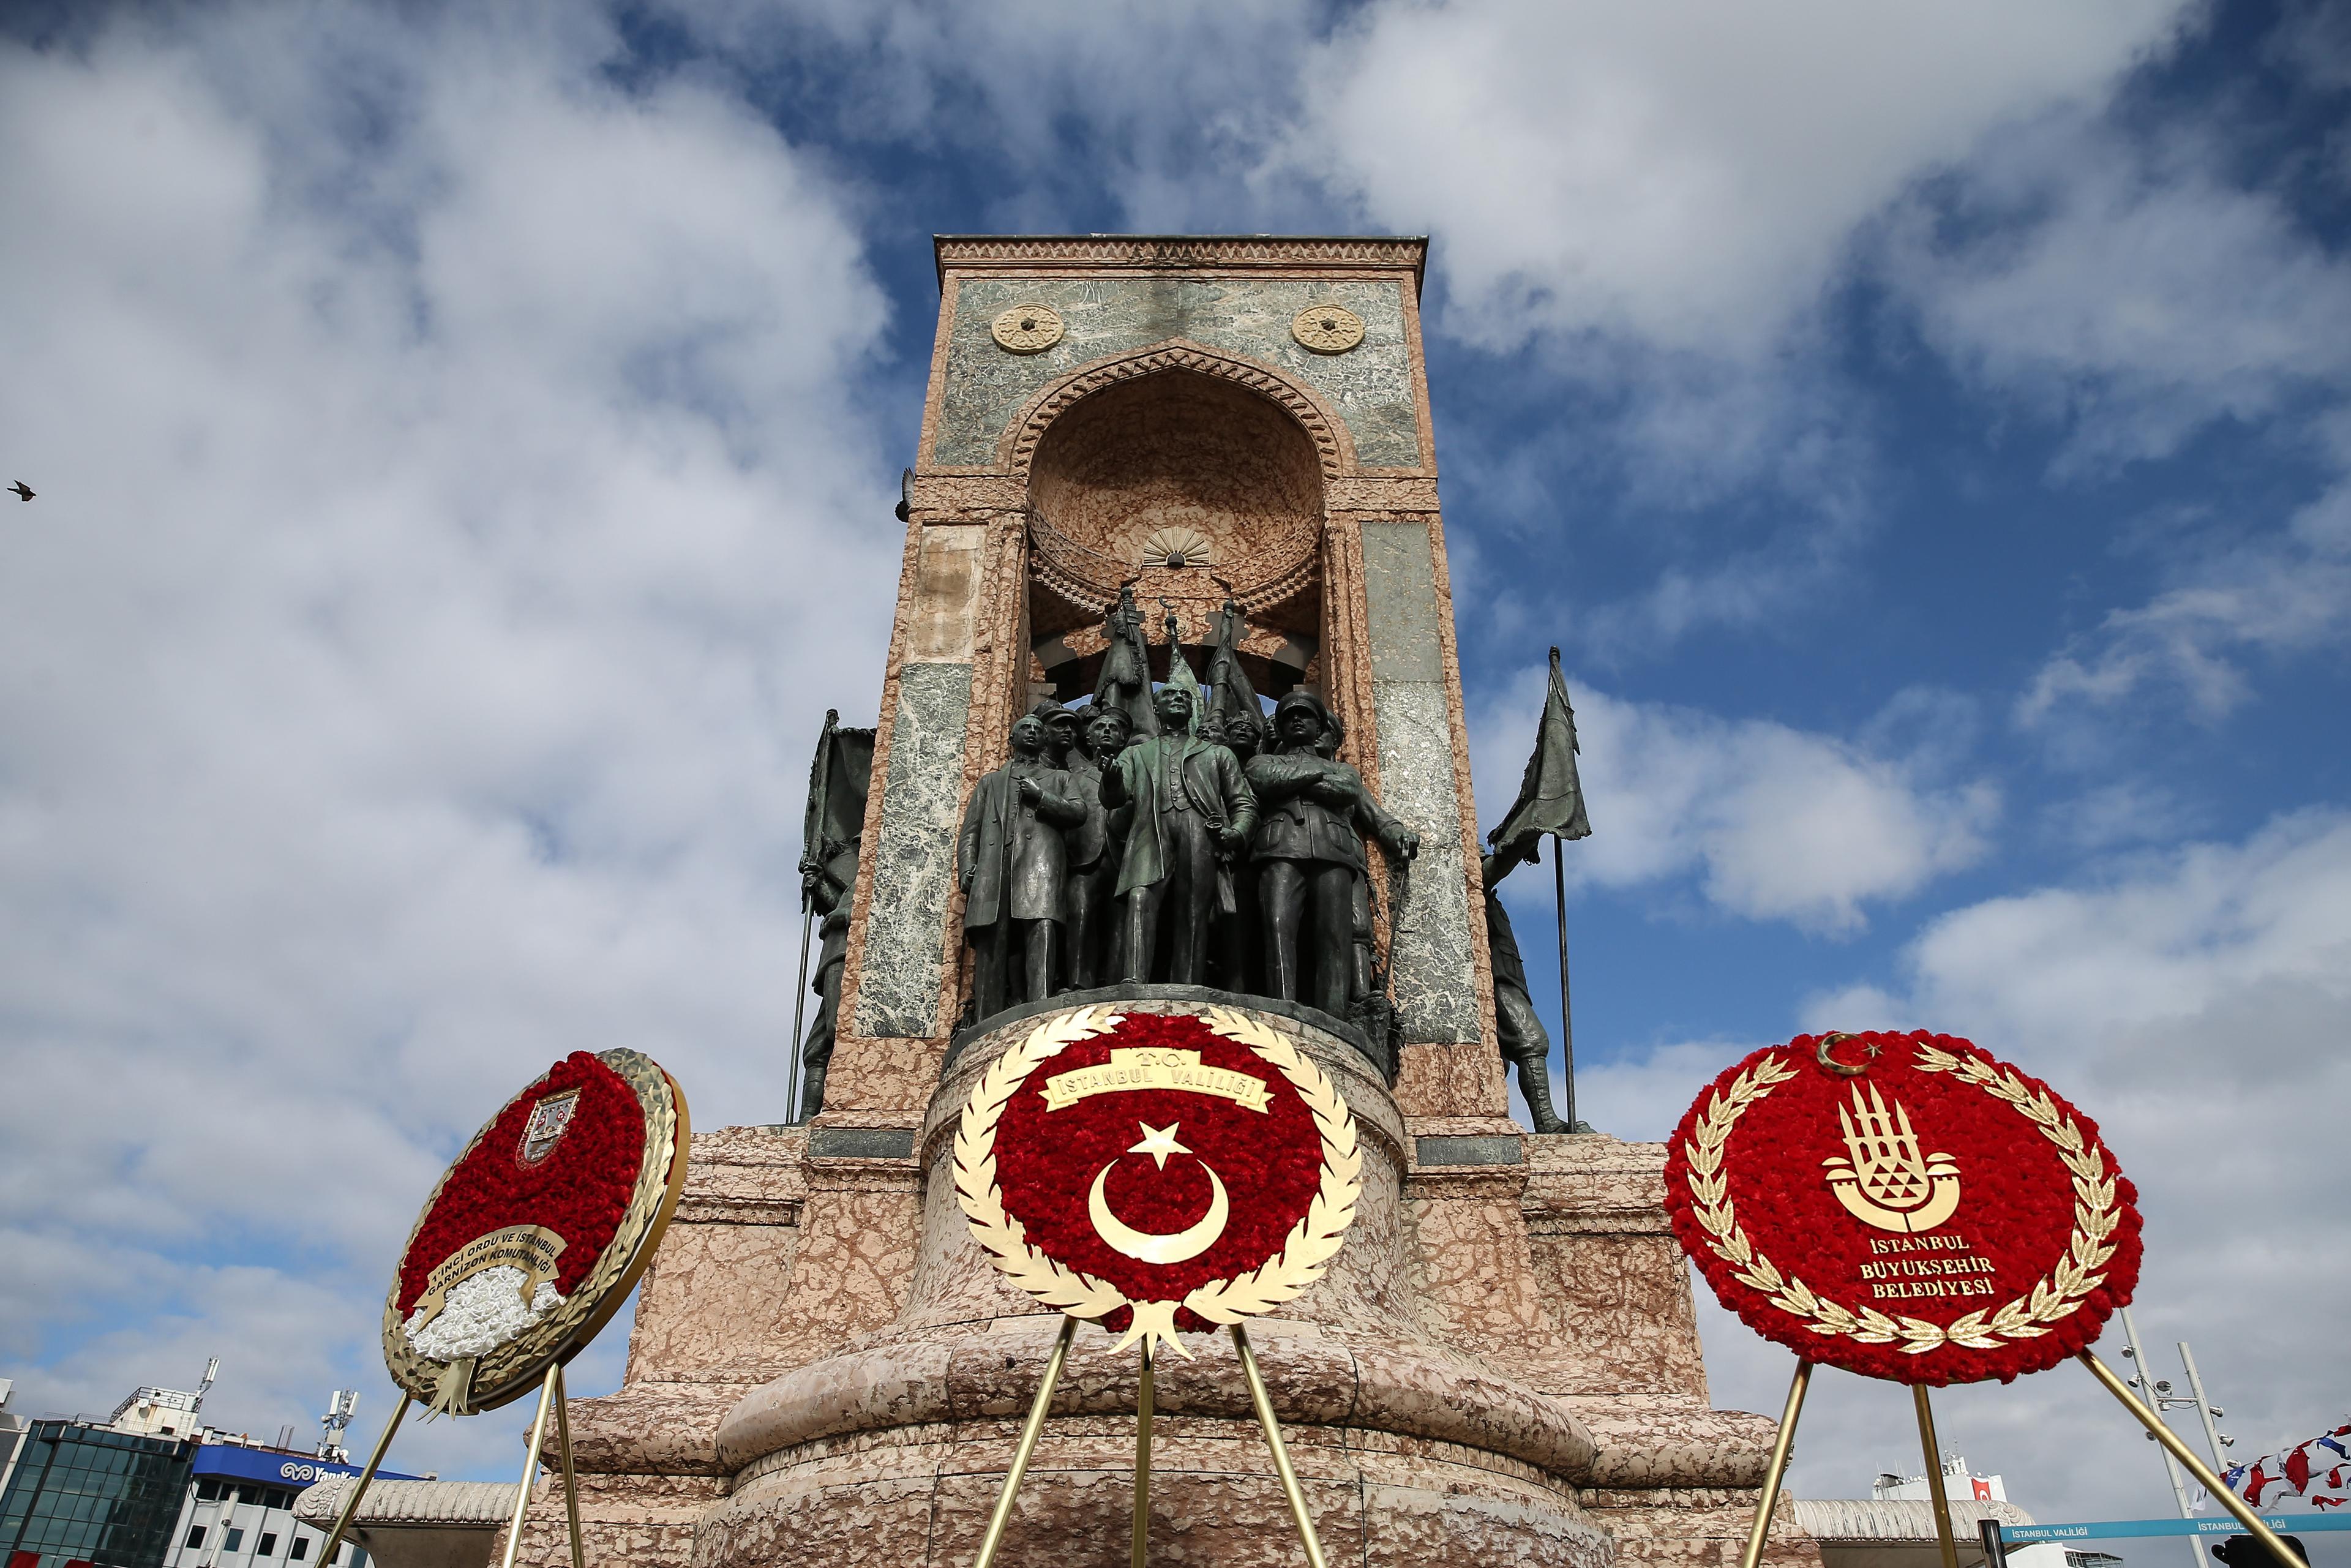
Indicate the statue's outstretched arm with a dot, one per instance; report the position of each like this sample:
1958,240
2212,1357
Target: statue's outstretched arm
1114,783
1376,821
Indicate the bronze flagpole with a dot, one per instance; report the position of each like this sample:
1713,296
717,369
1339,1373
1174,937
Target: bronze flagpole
1566,1022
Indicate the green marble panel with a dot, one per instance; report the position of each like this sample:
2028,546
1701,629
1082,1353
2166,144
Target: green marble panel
914,856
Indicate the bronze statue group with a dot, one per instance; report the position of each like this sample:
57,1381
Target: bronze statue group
1211,855
1155,838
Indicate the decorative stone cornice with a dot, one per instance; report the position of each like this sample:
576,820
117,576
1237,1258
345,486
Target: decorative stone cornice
981,253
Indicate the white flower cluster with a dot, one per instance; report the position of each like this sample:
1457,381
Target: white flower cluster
480,1314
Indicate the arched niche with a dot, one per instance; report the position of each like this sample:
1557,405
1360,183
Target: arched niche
1195,490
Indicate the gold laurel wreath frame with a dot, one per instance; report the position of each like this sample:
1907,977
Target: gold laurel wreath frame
1305,1253
2055,1297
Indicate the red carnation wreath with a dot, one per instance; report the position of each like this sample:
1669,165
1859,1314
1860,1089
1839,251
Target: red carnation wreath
537,1230
1157,1171
1903,1205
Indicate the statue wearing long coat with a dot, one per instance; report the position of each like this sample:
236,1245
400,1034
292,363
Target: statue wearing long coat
1013,851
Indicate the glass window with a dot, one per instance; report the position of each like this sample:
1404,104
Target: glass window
268,1547
246,1494
208,1490
196,1535
233,1540
300,1549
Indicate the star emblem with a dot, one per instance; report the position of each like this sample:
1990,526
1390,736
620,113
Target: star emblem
1159,1142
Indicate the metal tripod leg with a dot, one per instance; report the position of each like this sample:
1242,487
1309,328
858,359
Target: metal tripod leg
1306,1535
351,1508
1142,1412
1003,1514
1774,1472
531,1465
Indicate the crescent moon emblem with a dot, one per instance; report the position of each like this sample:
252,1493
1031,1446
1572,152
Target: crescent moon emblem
1829,1042
1189,1242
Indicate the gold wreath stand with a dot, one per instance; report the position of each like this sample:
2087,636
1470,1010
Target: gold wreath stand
551,1396
1777,1466
1142,1413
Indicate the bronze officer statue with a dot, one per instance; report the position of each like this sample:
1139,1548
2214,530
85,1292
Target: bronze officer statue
1193,811
1518,1028
1095,848
1012,862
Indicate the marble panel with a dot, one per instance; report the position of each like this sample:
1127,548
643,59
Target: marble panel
1436,966
1371,386
636,1519
914,857
1400,596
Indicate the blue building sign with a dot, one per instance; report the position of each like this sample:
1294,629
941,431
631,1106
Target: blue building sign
226,1461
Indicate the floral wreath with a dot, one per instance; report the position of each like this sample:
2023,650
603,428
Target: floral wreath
2089,1272
602,1183
1307,1248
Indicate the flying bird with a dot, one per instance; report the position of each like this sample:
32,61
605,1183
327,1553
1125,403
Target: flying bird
24,492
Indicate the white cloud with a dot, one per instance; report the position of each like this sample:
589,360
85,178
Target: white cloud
2270,595
453,516
2136,289
1687,174
1772,823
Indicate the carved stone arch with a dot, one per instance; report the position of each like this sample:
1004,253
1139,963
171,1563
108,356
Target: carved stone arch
1334,448
1193,476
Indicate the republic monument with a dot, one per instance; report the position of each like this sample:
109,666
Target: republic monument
1149,465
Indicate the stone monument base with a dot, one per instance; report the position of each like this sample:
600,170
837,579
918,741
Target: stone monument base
1502,1366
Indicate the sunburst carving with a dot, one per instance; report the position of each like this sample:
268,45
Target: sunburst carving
1176,546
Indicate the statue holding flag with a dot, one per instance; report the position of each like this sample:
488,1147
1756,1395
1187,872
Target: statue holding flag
1550,801
839,781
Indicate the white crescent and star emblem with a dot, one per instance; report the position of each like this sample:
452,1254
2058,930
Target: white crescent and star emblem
1144,1245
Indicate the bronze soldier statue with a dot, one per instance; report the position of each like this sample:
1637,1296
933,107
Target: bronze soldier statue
1062,731
1094,850
1193,811
1310,850
1525,1043
1012,865
829,887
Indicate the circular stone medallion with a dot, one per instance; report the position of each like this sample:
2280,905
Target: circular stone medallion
538,1233
1903,1205
1028,329
1327,328
1157,1171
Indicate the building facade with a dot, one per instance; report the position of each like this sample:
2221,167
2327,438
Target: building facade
238,1512
83,1494
153,1488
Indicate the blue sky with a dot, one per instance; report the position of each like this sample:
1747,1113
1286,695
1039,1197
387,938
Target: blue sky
466,447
